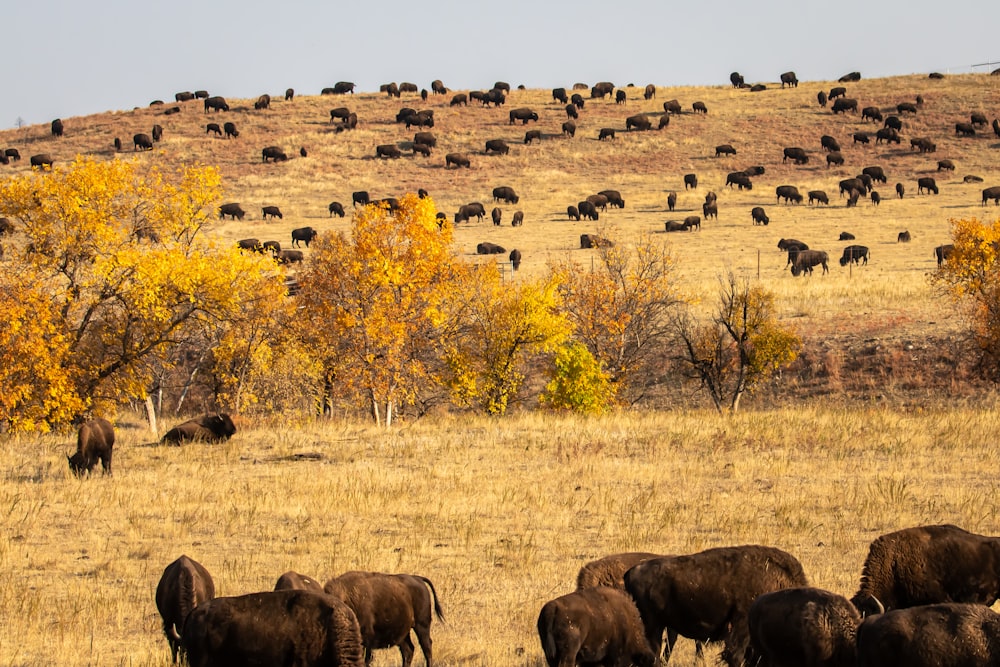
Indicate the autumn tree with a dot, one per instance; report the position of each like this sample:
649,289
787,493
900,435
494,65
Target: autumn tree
578,381
374,304
621,310
121,255
971,276
739,347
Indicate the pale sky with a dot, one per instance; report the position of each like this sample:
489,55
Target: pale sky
65,58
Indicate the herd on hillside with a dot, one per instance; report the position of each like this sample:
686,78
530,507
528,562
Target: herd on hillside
590,208
923,601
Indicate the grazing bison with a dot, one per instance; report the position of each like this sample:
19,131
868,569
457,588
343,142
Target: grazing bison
438,87
57,128
497,215
425,138
671,200
792,247
871,113
945,165
523,115
821,98
876,173
844,104
388,607
706,596
759,216
212,427
930,564
855,254
593,626
803,627
996,127
271,211
672,107
293,581
213,127
559,95
861,138
336,207
594,241
94,441
788,193
459,99
299,628
614,198
937,635
419,119
739,179
573,213
978,118
235,211
12,153
797,155
649,92
250,244
601,89
736,79
340,113
991,193
838,91
263,102
943,252
829,143
231,131
846,236
577,100
691,181
289,257
343,87
805,260
515,259
142,141
532,135
965,129
789,79
303,234
835,158
184,585
876,198
849,184
699,107
818,196
620,97
215,104
467,211
605,133
272,153
664,121
569,128
639,122
518,219
289,94
724,149
571,111
903,237
388,151
852,198
498,146
926,183
906,107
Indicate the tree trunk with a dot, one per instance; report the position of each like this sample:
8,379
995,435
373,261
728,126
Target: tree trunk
151,415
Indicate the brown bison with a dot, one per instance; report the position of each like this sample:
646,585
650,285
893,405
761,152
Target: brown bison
871,113
230,130
532,135
790,79
991,193
724,149
57,128
94,441
569,129
184,585
805,260
943,252
212,427
610,570
388,606
337,208
876,174
613,197
487,248
759,216
829,143
593,626
388,151
930,564
272,212
289,257
456,159
303,235
854,254
293,581
594,241
506,194
818,196
215,104
142,141
211,127
903,237
937,635
518,219
788,193
672,107
273,153
640,122
797,155
606,133
671,200
498,146
691,181
844,104
573,213
803,627
235,211
299,628
926,183
706,596
523,115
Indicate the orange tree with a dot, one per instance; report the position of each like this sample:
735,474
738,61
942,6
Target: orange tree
121,255
971,275
374,305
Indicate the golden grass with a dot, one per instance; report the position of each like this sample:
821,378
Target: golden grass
498,514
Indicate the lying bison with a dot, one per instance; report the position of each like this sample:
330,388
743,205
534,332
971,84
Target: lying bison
387,607
594,241
487,248
184,585
213,427
299,628
938,635
929,564
706,596
856,254
94,441
293,581
593,626
806,627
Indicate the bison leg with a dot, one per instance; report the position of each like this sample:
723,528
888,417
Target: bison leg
424,637
106,462
406,650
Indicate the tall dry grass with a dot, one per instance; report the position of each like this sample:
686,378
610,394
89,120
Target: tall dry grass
498,514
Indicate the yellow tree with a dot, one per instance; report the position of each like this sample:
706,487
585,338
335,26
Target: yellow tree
621,310
122,257
971,275
741,346
502,325
374,303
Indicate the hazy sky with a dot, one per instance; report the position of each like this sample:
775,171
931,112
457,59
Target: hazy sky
65,58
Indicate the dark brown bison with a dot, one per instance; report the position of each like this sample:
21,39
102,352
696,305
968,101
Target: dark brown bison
496,215
672,107
797,155
671,200
588,210
938,635
620,97
846,236
610,570
849,184
978,118
388,151
706,596
996,127
821,98
506,194
142,141
923,144
699,107
926,183
849,77
803,627
12,153
595,241
606,133
943,252
875,197
289,94
184,585
515,258
303,235
857,254
805,260
818,196
498,146
559,95
664,121
57,128
691,181
572,111
593,626
788,193
299,628
965,129
639,122
438,87
200,94
693,222
518,219
184,96
233,210
360,197
724,149
213,127
340,88
736,79
991,193
945,165
792,247
871,113
790,79
293,581
459,99
829,143
903,237
523,115
599,201
930,564
337,208
710,210
457,159
419,119
212,427
838,91
861,138
340,113
900,190
906,107
252,245
171,111
835,158
231,131
388,606
215,104
426,138
876,173
467,211
614,198
844,104
289,257
94,441
577,100
602,89
532,135
573,213
569,129
273,153
675,226
263,102
759,216
271,211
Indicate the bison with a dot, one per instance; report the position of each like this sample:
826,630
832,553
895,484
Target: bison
184,585
286,627
945,165
606,133
303,235
212,427
569,129
388,152
937,635
849,77
834,158
609,570
532,135
926,183
792,247
992,193
861,138
706,596
498,146
517,219
736,79
639,122
943,252
837,91
821,98
212,127
593,626
829,143
849,184
614,198
336,207
559,95
710,210
871,113
903,237
876,173
388,607
857,254
699,107
790,79
759,216
594,241
233,210
215,104
691,181
57,128
845,236
649,92
524,115
272,211
573,213
142,141
515,259
671,200
425,138
95,441
724,149
906,107
620,97
818,196
965,129
459,99
788,193
231,131
273,153
803,627
293,581
672,107
805,260
844,104
572,111
496,215
797,155
675,226
289,257
601,89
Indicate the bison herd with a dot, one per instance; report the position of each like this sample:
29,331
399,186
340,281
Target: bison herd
923,601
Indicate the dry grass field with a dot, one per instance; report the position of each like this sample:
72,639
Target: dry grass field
500,515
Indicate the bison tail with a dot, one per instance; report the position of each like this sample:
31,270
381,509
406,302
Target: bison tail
437,605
